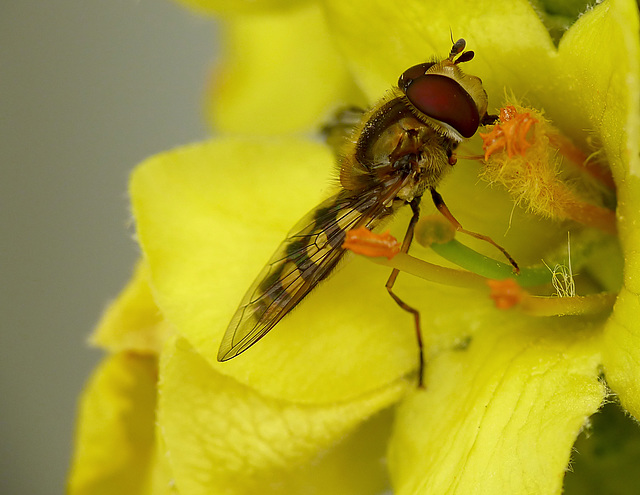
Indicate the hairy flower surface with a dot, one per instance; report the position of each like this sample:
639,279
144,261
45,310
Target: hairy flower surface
327,402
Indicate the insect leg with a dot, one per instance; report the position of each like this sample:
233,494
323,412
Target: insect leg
442,208
408,237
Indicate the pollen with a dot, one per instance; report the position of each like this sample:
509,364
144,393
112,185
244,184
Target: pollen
505,293
527,155
509,134
363,241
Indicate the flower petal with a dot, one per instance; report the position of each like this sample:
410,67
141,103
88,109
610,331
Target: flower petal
133,321
621,351
500,416
595,85
280,73
162,480
382,38
209,217
222,437
604,44
115,439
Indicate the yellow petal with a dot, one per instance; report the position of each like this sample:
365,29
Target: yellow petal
115,438
132,322
594,90
280,73
222,437
209,217
383,38
500,416
606,45
621,352
162,479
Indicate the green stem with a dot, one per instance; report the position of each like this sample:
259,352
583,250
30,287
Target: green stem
471,260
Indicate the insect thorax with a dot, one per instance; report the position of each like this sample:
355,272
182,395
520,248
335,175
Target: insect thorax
391,144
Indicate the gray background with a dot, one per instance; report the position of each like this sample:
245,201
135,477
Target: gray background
87,90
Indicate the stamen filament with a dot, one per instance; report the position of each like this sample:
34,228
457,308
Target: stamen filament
589,214
524,302
434,273
575,155
566,306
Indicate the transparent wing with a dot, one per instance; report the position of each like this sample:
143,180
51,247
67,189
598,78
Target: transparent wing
309,253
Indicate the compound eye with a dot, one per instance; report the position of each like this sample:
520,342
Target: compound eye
443,99
412,73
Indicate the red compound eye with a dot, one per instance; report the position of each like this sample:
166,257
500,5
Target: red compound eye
443,99
412,73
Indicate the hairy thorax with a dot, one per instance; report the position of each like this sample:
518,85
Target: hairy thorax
394,145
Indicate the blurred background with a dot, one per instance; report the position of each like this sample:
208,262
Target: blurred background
87,90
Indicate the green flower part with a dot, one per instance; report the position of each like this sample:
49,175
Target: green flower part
316,405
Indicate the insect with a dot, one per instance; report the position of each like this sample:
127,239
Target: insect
399,149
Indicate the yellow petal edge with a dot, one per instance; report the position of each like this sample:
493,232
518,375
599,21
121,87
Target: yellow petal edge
133,322
279,73
499,417
114,448
223,437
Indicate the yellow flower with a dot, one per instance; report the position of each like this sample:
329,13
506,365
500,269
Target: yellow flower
319,403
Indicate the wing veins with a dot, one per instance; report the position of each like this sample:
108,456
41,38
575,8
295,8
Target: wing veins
311,257
366,209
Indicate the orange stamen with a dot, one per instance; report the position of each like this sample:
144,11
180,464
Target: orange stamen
576,156
363,241
529,169
510,133
505,293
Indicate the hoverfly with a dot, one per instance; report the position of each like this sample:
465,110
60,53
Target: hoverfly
399,149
